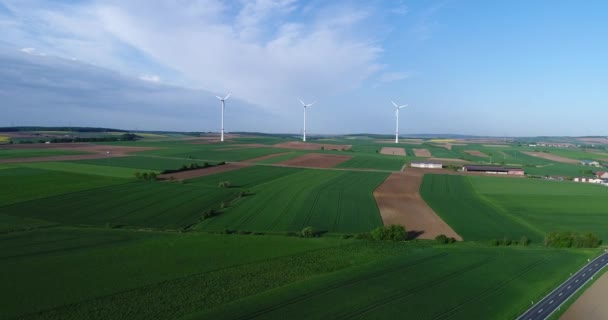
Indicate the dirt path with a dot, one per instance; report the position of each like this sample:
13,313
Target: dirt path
399,202
270,156
592,303
476,153
316,160
552,157
393,151
422,153
190,174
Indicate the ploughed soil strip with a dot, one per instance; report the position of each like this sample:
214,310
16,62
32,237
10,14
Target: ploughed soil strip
97,151
552,157
270,156
399,202
476,153
592,303
594,140
422,153
316,160
311,146
393,151
190,174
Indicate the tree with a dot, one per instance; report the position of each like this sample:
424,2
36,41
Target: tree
137,175
308,232
524,241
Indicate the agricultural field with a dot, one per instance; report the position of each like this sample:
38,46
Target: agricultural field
484,208
143,162
28,153
87,169
291,200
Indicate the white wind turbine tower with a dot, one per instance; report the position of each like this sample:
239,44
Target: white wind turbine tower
223,100
397,119
305,106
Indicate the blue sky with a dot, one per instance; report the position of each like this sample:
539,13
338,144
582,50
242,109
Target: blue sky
467,67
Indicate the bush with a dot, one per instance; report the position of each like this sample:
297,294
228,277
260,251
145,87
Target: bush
494,242
393,232
307,232
363,236
567,239
441,239
524,241
347,236
224,184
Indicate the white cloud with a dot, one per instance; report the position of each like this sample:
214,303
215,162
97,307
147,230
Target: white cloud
393,76
28,50
267,51
150,78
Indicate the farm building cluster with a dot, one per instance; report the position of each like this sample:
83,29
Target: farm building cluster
601,177
494,170
430,165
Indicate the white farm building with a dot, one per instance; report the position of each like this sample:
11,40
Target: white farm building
430,165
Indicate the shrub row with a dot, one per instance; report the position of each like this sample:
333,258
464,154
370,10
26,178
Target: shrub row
393,232
566,239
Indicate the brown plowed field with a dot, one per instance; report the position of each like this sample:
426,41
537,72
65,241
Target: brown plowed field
97,151
316,160
422,153
393,151
594,140
190,174
476,153
592,303
399,202
311,146
552,157
270,156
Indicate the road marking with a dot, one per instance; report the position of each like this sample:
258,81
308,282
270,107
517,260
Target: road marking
569,287
541,310
560,294
576,280
550,302
584,274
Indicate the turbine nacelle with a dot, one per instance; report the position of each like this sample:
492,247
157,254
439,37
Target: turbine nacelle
224,98
397,106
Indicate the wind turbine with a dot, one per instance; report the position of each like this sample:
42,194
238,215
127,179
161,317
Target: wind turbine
305,106
223,100
397,119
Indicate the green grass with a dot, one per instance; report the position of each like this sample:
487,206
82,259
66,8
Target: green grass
89,169
29,153
334,201
214,154
373,161
23,184
482,208
435,283
137,204
141,163
114,274
245,177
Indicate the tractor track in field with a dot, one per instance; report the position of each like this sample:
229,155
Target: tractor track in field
411,291
340,285
79,247
289,206
490,291
339,210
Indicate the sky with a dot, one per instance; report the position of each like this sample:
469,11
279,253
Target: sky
491,68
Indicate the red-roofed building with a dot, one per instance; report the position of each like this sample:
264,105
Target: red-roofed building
602,174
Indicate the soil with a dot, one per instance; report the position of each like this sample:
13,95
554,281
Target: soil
592,303
315,160
552,157
311,146
476,153
190,174
422,153
594,140
97,151
393,151
399,202
270,156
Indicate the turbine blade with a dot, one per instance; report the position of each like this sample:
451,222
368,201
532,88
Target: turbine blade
219,98
403,106
228,96
302,102
311,104
393,102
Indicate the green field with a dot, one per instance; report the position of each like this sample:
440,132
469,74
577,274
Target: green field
136,204
88,169
29,153
483,208
372,161
334,201
121,274
142,163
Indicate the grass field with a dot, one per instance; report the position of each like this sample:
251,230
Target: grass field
121,274
88,169
372,161
28,153
21,184
482,208
335,201
142,163
136,204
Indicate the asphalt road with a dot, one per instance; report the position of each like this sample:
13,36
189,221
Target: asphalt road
544,308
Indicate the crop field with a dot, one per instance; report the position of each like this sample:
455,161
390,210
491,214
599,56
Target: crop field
27,153
142,163
203,276
334,201
246,177
372,161
483,208
88,169
20,184
137,204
